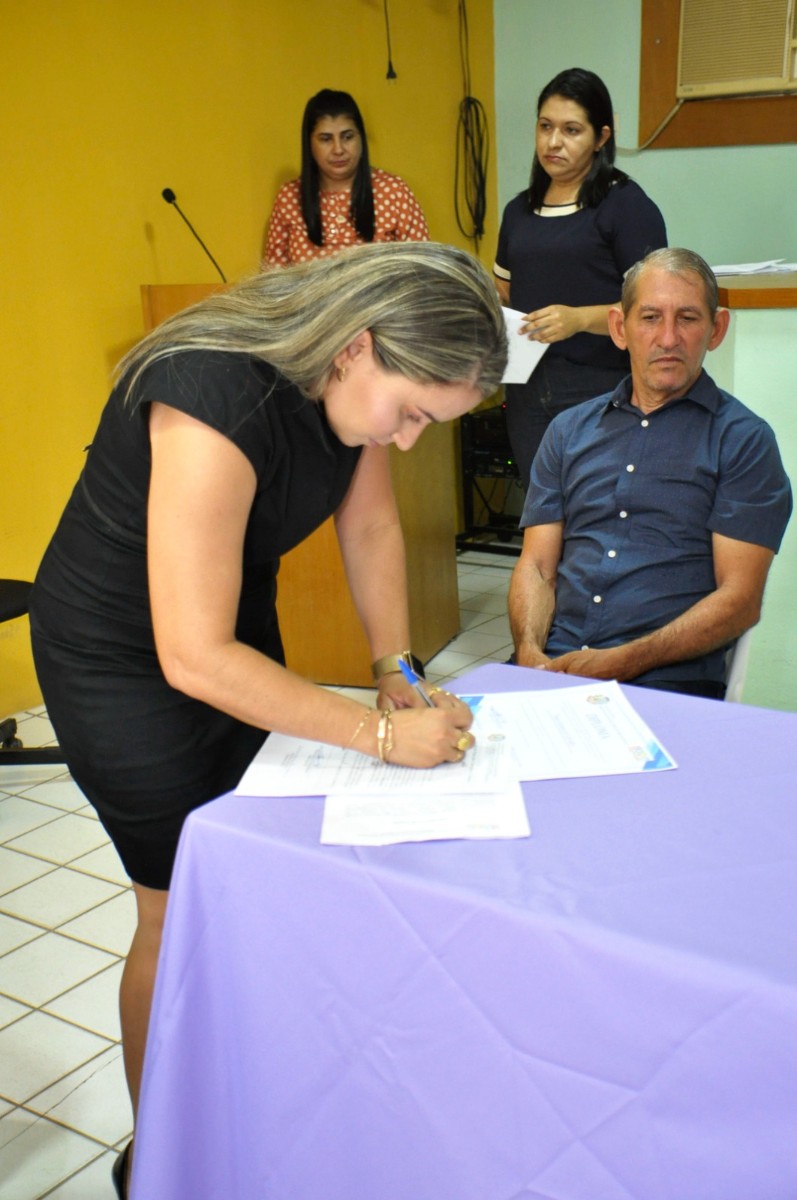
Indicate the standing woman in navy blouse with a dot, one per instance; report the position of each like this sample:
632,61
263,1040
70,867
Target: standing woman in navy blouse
564,247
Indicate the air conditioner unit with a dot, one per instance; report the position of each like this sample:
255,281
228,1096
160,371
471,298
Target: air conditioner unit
737,48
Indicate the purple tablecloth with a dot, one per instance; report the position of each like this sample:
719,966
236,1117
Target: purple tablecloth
604,1011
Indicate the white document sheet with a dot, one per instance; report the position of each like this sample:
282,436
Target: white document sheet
560,733
570,732
384,820
288,766
524,355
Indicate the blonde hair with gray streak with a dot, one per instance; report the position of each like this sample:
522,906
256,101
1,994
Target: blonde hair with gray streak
432,311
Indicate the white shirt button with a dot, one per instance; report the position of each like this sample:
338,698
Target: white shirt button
623,514
597,599
644,423
612,554
585,647
630,467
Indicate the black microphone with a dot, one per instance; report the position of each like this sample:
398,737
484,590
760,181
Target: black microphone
170,198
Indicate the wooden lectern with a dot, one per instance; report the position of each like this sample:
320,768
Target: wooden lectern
320,628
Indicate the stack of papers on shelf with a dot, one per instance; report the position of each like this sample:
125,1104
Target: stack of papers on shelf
772,266
569,732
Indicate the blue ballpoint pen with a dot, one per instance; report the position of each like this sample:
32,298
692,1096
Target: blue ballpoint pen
415,681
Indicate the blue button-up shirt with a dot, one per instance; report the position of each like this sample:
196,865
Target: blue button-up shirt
640,496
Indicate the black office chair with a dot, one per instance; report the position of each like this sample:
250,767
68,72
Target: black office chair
14,603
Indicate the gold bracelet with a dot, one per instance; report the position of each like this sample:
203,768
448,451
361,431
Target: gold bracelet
389,664
353,737
384,735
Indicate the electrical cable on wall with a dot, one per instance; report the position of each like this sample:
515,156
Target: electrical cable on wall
391,74
662,125
472,151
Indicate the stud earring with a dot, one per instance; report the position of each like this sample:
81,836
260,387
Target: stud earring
341,373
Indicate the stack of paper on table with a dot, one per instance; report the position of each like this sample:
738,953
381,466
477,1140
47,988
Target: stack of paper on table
554,734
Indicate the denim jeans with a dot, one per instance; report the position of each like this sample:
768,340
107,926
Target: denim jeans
555,386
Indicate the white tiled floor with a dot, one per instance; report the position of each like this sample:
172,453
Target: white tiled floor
66,918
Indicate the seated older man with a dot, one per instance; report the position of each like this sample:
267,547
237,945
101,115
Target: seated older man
653,513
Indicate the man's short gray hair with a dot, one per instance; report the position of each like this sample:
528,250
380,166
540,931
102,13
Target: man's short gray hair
677,261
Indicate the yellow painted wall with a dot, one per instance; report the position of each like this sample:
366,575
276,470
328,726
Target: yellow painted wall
105,103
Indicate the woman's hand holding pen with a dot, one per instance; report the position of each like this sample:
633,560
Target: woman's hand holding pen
395,691
426,737
421,725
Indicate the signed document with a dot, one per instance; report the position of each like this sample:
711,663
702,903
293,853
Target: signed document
288,766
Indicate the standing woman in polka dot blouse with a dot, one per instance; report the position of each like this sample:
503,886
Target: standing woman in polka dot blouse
340,199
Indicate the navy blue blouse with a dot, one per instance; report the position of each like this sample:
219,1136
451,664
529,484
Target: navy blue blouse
578,259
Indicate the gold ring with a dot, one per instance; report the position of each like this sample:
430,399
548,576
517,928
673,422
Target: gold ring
433,691
464,742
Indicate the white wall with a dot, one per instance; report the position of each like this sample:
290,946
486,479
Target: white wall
758,362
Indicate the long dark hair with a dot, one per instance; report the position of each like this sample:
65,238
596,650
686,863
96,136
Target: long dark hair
328,103
589,91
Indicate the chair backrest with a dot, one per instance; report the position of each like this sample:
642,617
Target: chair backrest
13,598
737,661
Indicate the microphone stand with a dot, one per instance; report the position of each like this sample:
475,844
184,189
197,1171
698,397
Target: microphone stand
170,198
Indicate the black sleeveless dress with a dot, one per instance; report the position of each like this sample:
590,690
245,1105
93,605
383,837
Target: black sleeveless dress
143,753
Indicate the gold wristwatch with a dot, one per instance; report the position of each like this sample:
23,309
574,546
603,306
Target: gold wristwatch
389,663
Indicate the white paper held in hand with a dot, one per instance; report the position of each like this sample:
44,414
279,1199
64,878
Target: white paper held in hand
523,354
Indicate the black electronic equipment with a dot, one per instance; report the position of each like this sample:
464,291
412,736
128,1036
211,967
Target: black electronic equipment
486,455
